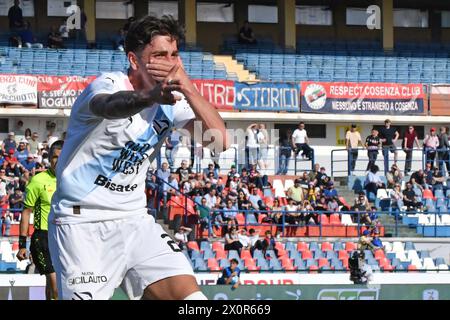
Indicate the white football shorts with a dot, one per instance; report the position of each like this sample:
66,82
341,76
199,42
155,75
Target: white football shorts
92,259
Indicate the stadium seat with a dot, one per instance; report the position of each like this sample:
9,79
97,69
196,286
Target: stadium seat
323,262
217,246
205,245
347,220
306,254
302,246
213,265
245,254
343,254
196,254
350,246
221,254
326,246
335,219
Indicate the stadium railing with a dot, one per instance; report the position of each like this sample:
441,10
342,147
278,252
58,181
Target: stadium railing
386,161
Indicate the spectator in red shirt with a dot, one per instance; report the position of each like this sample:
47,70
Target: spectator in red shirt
408,145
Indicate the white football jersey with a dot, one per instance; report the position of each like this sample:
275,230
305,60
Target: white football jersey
103,165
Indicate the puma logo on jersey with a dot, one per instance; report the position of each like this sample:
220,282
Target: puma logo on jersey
161,126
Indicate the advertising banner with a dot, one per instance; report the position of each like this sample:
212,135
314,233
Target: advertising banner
220,93
440,99
267,96
362,98
60,91
18,89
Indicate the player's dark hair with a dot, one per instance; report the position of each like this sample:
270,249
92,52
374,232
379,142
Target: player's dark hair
57,145
142,31
234,260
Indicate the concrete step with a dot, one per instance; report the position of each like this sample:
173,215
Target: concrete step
231,65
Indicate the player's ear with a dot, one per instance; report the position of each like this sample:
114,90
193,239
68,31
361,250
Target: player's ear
134,64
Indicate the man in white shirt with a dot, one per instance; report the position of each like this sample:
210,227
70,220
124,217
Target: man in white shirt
300,141
252,146
182,236
352,142
99,227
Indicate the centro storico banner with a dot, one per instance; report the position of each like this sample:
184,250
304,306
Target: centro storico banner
362,98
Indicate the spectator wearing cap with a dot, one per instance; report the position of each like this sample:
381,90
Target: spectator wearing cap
376,241
430,145
209,170
296,192
352,141
10,157
22,152
330,192
365,242
29,164
33,143
230,175
394,176
408,144
9,143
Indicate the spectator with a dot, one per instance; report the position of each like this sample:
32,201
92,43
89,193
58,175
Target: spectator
172,142
231,274
257,202
312,174
229,214
263,139
28,38
205,217
352,141
182,236
16,203
246,35
252,146
410,198
333,205
22,153
365,242
373,182
304,179
209,170
64,30
428,174
9,143
253,237
29,164
408,144
256,178
231,175
396,197
322,178
389,136
183,172
376,241
292,217
418,179
437,180
300,142
330,192
15,17
244,239
372,144
276,212
361,202
430,145
296,192
119,40
443,153
232,240
394,176
285,152
173,187
54,39
268,243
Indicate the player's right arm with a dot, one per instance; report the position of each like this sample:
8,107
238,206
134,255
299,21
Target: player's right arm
24,225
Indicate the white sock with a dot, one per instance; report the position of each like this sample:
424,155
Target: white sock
197,295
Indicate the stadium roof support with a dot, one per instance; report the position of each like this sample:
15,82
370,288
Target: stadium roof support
388,24
286,12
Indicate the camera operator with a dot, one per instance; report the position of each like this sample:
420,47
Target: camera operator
360,272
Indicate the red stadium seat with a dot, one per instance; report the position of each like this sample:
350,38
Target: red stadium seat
345,263
252,268
283,201
350,246
240,219
388,267
379,254
245,254
279,246
212,263
323,218
249,262
221,254
268,201
313,269
302,246
335,219
344,202
193,245
326,246
15,246
323,262
383,262
428,194
412,267
342,254
307,255
216,245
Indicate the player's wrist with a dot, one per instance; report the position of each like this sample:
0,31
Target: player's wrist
22,242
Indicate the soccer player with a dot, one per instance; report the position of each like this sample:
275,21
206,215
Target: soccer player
101,235
38,200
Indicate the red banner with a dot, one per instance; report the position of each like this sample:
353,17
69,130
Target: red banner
60,91
219,93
